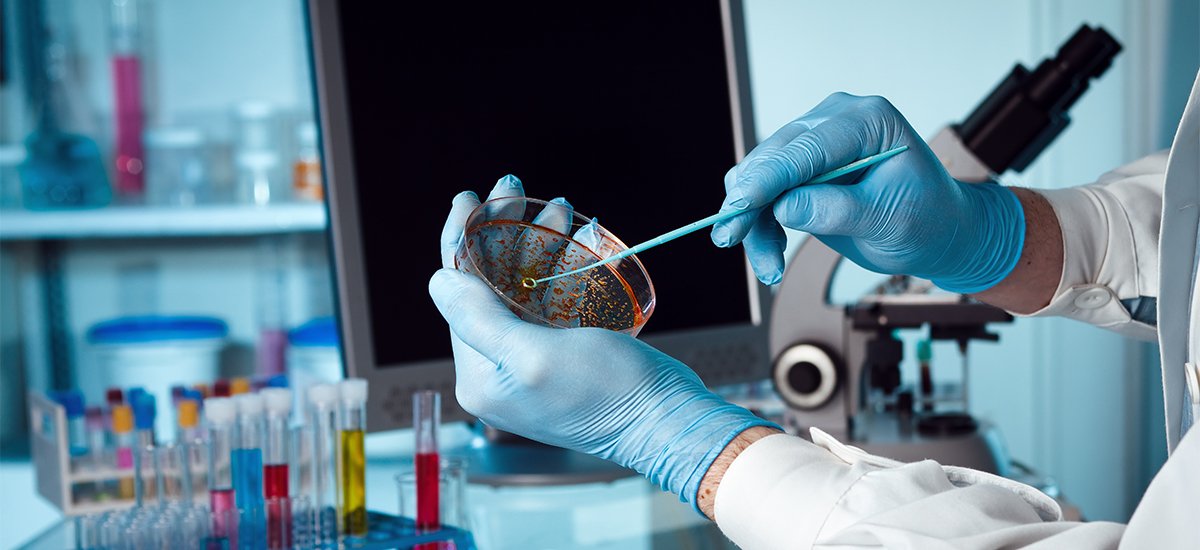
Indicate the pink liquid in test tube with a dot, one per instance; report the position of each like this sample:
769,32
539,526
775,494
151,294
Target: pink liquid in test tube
127,90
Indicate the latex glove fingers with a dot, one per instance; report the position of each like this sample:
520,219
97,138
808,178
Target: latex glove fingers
840,130
765,244
452,232
509,186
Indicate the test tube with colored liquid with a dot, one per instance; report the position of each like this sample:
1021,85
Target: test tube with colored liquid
276,478
220,415
122,429
427,407
248,468
322,406
353,395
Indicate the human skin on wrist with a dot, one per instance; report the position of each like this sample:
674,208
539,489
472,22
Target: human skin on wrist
706,497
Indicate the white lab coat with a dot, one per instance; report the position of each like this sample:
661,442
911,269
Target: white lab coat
783,492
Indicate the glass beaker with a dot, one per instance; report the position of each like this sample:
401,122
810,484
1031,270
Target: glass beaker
509,241
452,490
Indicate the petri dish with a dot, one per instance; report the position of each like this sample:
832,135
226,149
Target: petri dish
509,241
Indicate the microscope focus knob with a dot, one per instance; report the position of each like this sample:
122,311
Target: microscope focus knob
805,376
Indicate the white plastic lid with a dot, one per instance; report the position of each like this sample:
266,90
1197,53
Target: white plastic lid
219,410
248,404
277,400
322,394
353,390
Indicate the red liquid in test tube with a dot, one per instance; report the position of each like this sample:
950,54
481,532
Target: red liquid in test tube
275,480
426,465
426,417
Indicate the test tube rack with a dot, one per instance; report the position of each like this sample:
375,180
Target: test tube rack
62,479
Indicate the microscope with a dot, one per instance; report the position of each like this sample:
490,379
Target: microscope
837,367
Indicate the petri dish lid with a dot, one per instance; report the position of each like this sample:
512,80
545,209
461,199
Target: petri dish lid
156,328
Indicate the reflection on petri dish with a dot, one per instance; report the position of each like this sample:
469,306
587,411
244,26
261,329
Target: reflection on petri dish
510,242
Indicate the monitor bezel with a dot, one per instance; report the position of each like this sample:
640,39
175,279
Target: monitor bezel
719,354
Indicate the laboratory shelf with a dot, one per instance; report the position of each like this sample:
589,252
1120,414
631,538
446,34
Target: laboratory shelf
150,222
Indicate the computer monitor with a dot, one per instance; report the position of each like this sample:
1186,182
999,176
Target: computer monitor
633,111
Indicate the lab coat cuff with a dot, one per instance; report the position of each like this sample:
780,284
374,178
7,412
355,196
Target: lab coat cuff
1092,286
753,498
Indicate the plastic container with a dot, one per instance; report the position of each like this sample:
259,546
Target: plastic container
176,166
153,352
313,356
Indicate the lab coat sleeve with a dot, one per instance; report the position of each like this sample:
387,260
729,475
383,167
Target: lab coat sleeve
784,492
1110,246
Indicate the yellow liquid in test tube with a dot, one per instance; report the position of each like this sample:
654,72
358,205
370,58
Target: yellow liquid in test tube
354,484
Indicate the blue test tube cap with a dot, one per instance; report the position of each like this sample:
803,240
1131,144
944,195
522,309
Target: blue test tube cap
131,395
144,411
277,381
71,400
194,395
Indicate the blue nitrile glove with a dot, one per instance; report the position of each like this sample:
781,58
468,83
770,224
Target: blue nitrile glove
905,215
588,389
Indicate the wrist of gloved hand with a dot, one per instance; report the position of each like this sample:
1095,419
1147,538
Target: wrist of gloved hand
675,442
986,245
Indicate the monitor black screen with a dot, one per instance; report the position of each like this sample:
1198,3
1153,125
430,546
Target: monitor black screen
621,107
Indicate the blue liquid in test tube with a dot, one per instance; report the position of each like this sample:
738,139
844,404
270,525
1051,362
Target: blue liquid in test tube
246,462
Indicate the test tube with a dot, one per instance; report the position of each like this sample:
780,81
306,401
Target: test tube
145,461
220,415
144,412
97,437
173,482
323,403
190,437
275,471
220,388
239,385
427,416
77,437
122,428
177,394
248,467
114,396
353,395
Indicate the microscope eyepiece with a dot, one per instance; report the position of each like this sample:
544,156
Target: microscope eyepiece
1016,122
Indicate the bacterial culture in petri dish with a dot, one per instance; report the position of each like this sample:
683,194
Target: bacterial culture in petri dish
511,254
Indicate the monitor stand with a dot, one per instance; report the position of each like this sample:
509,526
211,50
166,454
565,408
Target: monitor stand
499,458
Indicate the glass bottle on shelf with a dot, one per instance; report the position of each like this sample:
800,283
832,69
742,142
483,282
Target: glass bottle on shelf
306,172
256,154
63,167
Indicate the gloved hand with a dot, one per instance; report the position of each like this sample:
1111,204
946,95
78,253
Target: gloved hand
905,215
588,389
